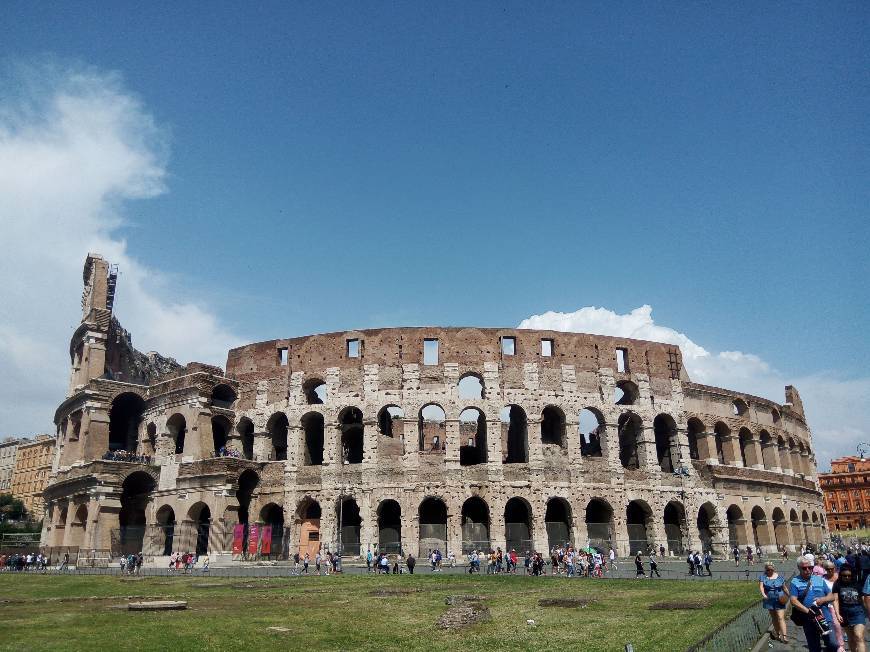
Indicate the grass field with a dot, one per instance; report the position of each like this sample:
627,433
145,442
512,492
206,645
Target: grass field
342,613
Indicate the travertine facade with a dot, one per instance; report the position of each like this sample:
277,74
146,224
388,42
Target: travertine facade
8,451
30,474
846,491
420,437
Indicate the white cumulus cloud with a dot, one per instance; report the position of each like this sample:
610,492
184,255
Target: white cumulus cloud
75,148
837,419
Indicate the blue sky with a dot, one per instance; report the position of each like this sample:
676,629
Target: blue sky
334,166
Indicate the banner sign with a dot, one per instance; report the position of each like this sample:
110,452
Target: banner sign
266,540
253,536
238,538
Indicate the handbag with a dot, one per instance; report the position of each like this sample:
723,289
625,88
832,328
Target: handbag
797,616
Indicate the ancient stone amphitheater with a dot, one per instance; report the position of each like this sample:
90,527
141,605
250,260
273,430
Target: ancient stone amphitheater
413,439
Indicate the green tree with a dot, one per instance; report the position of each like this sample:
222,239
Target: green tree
11,508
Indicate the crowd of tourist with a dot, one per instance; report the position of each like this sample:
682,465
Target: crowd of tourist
225,451
24,562
126,456
185,562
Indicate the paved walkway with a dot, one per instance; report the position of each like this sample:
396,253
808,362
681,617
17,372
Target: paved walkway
796,640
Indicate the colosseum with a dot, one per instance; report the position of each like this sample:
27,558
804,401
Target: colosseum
414,439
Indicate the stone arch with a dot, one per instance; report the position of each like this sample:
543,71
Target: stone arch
630,428
697,441
75,537
352,427
639,523
472,437
591,426
674,518
432,518
272,515
626,393
347,515
125,415
665,431
557,521
176,425
736,527
760,528
475,525
768,451
707,523
780,529
150,439
278,426
245,428
747,448
387,415
721,434
514,434
599,522
805,523
200,514
136,490
739,407
313,428
470,386
315,391
223,396
784,456
518,525
307,516
220,430
389,526
432,428
795,527
166,529
553,426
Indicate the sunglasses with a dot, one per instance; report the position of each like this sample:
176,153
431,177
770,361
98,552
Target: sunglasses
805,567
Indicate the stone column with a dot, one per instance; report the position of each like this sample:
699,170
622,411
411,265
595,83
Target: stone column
710,445
262,446
536,447
368,533
494,453
755,444
772,450
454,532
610,447
575,459
107,522
731,448
497,538
647,457
785,459
539,530
295,436
452,443
370,442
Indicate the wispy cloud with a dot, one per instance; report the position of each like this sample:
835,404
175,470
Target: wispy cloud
837,420
75,148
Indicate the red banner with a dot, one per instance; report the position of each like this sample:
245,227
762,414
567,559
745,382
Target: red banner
253,536
238,538
266,540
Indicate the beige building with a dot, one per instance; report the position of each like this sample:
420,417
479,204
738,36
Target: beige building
30,474
8,450
417,438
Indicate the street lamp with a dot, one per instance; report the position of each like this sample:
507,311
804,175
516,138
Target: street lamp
863,449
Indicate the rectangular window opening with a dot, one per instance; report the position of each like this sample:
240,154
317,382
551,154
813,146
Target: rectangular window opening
508,345
430,352
547,348
282,356
353,348
622,360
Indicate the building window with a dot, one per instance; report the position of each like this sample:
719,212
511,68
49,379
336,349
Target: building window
353,348
282,356
430,351
547,348
622,360
508,346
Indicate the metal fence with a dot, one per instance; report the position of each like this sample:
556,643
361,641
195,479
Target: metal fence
739,634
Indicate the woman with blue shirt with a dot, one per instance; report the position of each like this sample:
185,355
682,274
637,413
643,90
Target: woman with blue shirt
772,586
808,593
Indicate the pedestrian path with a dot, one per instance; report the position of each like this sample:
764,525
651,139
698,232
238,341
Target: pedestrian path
797,641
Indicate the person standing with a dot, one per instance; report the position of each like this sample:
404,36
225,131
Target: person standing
708,559
638,566
848,610
772,587
411,563
690,560
611,557
736,553
661,550
810,597
305,562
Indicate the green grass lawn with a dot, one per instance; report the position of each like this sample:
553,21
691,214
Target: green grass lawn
340,613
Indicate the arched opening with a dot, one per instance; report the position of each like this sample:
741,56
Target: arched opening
223,396
721,433
125,415
739,407
697,442
591,426
780,529
135,494
432,428
389,527
433,525
794,454
768,451
625,393
630,427
471,387
248,482
313,427
272,516
557,520
278,427
177,427
805,523
350,523
245,428
795,526
220,428
390,420
675,527
514,435
166,530
151,439
352,433
760,534
638,517
518,525
75,537
308,515
599,523
553,426
665,431
784,457
200,514
747,448
816,529
475,525
472,437
706,522
315,391
736,527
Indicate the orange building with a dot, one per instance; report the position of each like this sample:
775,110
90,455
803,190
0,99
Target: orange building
846,490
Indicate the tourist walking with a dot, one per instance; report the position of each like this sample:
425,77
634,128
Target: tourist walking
611,557
638,565
848,610
810,597
305,563
749,555
831,576
690,560
736,553
774,597
708,559
653,567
